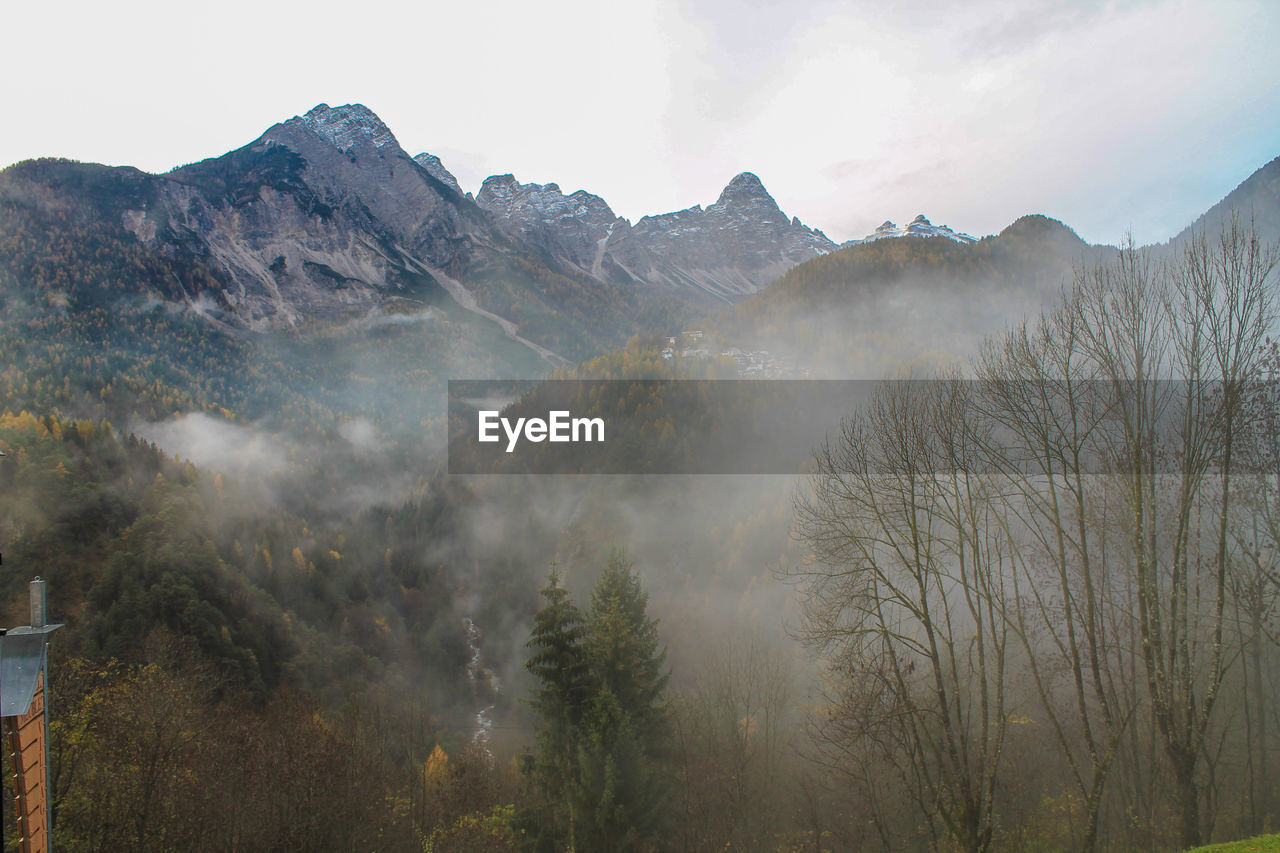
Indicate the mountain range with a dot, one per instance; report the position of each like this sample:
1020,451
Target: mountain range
728,250
326,217
325,222
918,227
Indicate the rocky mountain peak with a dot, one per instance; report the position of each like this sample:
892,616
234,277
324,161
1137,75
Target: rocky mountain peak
726,250
505,195
571,227
348,125
918,227
744,188
436,169
497,186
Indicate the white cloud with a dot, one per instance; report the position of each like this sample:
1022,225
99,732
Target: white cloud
218,445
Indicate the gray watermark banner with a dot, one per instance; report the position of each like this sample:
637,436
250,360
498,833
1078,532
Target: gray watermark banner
643,426
651,426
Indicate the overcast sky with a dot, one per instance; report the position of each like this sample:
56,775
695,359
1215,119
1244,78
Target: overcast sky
1110,116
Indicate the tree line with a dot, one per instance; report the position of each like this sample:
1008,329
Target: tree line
1046,590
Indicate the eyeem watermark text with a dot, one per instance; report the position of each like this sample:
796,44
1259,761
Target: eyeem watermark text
559,426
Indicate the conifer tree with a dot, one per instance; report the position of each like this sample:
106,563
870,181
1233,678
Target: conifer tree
627,729
558,660
624,648
602,723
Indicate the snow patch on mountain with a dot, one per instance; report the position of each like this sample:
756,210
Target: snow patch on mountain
918,227
348,125
504,195
727,250
568,226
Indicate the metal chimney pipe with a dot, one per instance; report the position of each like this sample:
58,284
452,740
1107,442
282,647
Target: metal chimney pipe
39,606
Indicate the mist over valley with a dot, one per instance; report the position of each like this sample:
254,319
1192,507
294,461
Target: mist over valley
224,414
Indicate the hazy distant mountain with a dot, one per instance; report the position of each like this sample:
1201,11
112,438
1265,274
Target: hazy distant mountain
326,219
918,227
1257,198
874,307
728,250
881,303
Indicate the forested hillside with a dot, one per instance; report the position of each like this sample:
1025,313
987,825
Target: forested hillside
872,308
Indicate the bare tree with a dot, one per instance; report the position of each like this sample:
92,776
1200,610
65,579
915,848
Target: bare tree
1086,498
730,730
904,597
1040,389
1202,322
1255,587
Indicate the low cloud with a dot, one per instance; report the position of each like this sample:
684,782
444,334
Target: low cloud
238,450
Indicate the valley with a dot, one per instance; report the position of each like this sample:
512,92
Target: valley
223,411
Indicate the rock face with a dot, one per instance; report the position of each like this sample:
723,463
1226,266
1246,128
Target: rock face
572,227
728,250
321,213
733,248
918,227
436,169
326,218
348,126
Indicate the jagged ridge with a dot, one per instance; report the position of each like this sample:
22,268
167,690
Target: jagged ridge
728,250
918,227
